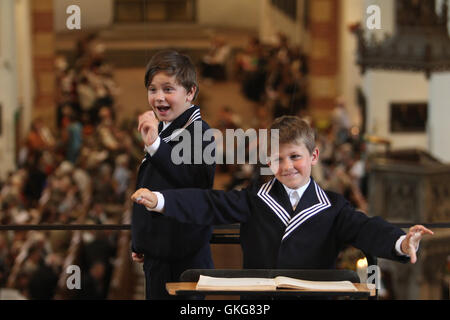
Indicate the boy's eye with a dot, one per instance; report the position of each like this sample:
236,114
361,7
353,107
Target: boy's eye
295,156
168,89
151,90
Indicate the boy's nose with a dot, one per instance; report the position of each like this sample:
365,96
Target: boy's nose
160,96
285,165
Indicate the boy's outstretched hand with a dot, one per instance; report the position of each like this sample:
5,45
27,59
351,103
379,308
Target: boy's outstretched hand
145,197
411,242
148,127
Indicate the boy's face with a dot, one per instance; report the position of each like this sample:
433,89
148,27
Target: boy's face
167,97
292,165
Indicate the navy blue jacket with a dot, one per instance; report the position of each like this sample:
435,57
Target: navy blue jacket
274,236
154,235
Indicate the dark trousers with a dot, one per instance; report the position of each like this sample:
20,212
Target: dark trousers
159,272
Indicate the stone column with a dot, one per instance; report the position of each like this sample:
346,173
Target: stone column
43,48
323,56
349,79
8,85
24,64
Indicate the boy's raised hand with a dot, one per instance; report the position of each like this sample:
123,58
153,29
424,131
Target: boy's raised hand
148,127
411,242
145,197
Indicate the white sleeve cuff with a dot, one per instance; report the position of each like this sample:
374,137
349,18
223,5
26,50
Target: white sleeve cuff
398,247
160,205
151,149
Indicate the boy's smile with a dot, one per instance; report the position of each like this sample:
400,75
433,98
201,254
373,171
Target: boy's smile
292,165
167,97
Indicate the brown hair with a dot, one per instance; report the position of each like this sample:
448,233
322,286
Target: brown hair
174,64
292,129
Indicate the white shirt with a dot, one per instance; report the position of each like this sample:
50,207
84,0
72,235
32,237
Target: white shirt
296,194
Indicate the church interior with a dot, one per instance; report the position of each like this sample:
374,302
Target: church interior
371,76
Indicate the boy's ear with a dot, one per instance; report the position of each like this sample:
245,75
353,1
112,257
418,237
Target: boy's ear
315,156
191,94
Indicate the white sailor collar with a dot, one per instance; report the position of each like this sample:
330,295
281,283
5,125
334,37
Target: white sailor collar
182,122
316,204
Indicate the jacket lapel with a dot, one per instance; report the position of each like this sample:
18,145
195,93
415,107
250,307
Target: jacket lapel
313,201
266,196
280,195
309,198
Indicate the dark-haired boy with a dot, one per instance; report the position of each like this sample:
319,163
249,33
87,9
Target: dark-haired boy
168,247
289,222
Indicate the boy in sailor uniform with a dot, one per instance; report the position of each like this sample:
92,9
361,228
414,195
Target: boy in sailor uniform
289,222
166,246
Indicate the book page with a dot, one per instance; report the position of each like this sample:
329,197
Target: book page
212,283
291,283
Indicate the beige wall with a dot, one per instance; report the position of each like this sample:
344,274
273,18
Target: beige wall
273,21
230,13
250,14
94,13
100,13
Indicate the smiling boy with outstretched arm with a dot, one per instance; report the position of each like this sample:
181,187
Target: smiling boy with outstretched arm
289,222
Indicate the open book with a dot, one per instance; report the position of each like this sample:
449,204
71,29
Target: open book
266,284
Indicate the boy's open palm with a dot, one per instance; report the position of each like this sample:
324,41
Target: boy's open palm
411,242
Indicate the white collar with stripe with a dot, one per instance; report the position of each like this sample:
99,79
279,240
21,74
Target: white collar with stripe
194,117
166,124
294,222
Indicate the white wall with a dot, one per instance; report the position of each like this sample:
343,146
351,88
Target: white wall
230,13
94,13
439,116
383,87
